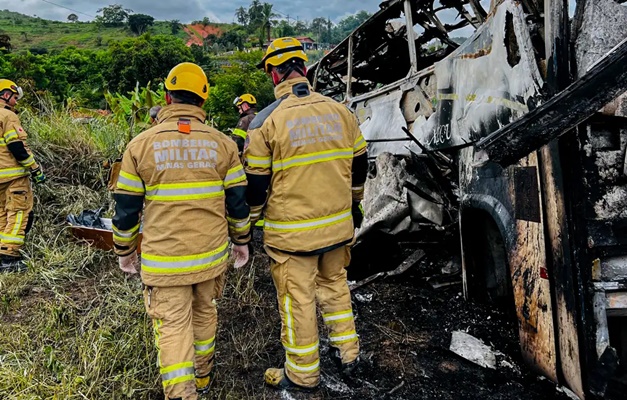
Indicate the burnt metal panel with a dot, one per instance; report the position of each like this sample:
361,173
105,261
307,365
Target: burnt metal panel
526,194
491,80
603,82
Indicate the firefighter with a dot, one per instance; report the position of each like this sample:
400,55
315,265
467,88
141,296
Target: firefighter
187,181
16,195
246,106
306,166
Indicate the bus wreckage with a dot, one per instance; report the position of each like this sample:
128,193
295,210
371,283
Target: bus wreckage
515,136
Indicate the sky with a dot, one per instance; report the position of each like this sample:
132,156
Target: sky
186,11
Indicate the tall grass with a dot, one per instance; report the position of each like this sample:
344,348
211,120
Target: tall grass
74,326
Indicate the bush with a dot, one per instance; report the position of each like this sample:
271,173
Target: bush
144,59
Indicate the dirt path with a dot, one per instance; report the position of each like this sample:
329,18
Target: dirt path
405,330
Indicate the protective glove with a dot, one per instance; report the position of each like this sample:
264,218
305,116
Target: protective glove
358,214
37,175
241,255
129,263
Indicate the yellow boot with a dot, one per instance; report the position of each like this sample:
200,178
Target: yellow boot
203,383
276,378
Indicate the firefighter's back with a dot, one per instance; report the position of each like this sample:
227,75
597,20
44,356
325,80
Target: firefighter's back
312,140
185,166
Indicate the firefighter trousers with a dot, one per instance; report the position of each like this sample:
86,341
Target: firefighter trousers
299,281
184,320
16,214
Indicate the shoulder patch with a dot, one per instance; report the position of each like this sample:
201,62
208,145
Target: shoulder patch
263,115
184,125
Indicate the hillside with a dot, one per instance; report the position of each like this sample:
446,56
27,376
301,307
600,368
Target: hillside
37,34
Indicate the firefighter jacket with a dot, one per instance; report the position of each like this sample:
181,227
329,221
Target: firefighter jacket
306,162
191,184
16,159
241,130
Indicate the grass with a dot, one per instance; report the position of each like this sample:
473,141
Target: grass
72,326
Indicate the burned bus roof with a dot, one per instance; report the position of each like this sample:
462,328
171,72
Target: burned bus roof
380,50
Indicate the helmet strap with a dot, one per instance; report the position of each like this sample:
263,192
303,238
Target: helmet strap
291,67
275,77
4,101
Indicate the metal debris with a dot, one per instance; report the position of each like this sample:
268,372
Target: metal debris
364,298
472,349
404,266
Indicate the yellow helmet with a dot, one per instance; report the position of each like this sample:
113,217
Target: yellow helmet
6,84
245,98
282,50
189,77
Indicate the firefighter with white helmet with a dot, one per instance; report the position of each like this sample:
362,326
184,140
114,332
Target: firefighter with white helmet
306,165
187,182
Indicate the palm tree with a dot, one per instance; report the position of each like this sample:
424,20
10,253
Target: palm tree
267,19
242,16
254,14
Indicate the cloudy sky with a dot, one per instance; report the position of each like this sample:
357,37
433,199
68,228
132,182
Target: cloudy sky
216,10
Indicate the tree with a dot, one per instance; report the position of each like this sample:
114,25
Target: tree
175,26
5,43
284,29
210,42
321,28
138,23
232,40
142,59
267,19
300,28
72,17
255,18
349,24
242,16
113,15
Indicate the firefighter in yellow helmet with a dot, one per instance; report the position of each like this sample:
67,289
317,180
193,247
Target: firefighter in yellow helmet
187,182
16,195
306,165
247,107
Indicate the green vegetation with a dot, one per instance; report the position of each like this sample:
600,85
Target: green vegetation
77,63
81,77
256,25
42,36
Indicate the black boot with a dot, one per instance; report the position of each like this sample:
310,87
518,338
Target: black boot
12,264
346,369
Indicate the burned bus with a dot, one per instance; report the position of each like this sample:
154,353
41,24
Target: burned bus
506,120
